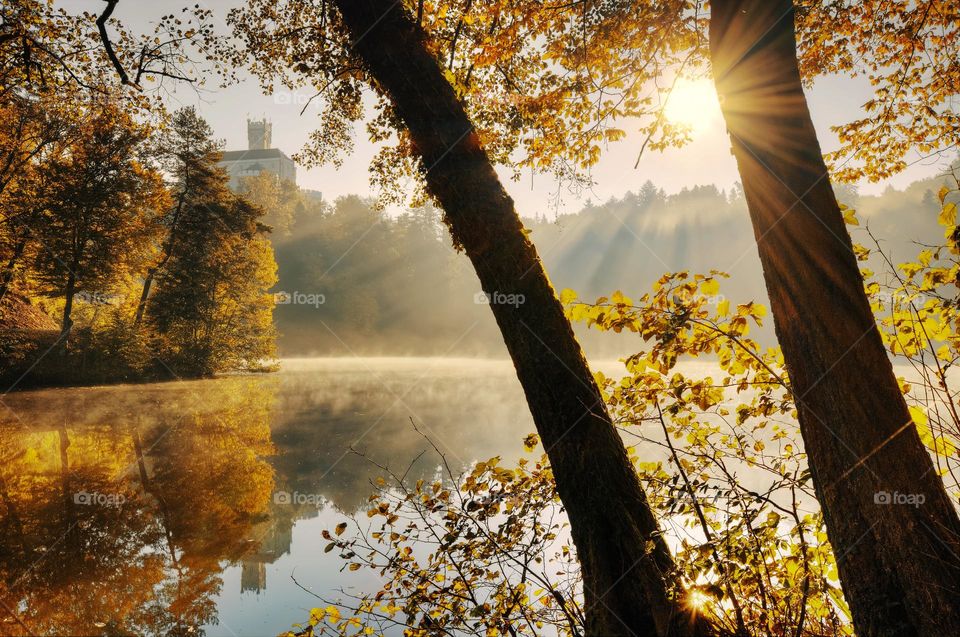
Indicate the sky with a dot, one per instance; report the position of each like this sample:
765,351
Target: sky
707,160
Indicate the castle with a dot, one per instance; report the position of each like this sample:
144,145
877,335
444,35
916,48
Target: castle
258,157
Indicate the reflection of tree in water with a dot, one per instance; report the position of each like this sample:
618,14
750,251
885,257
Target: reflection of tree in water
68,566
193,487
198,471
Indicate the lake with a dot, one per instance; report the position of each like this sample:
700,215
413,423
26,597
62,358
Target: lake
197,507
190,507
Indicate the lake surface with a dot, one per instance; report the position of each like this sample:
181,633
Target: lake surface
189,507
197,507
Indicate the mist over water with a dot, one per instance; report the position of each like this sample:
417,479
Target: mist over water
199,499
200,504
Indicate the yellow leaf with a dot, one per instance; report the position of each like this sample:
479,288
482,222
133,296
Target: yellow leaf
850,217
568,296
341,528
918,416
531,441
710,287
948,215
944,191
723,308
618,298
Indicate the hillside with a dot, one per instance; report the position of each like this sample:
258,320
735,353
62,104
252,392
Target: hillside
396,286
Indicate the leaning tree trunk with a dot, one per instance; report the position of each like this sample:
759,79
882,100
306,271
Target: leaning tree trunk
899,564
629,589
144,295
6,278
168,246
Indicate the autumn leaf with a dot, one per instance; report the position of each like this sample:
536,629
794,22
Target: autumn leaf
948,215
849,216
531,441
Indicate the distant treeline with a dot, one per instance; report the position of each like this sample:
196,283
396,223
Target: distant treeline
355,280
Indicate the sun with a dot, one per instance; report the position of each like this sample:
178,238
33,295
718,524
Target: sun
698,601
693,104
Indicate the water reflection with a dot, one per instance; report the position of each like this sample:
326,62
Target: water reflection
184,508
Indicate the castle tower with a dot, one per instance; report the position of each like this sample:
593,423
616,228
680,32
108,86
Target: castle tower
259,133
259,157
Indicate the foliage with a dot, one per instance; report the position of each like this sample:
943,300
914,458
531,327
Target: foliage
44,47
916,304
33,131
376,275
282,200
101,210
211,310
481,553
908,52
545,85
550,86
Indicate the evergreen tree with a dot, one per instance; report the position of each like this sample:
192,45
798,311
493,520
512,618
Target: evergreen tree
187,152
211,310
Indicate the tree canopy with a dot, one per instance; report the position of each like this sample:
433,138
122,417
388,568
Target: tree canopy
549,85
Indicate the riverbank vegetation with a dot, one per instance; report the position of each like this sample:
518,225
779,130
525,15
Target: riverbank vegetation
126,256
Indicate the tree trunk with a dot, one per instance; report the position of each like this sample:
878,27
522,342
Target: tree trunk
67,322
629,589
144,295
71,533
167,253
7,278
899,563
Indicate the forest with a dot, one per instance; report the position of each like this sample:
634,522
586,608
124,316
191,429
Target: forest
160,280
235,406
374,296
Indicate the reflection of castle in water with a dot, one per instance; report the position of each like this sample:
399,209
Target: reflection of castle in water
274,544
253,576
276,537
